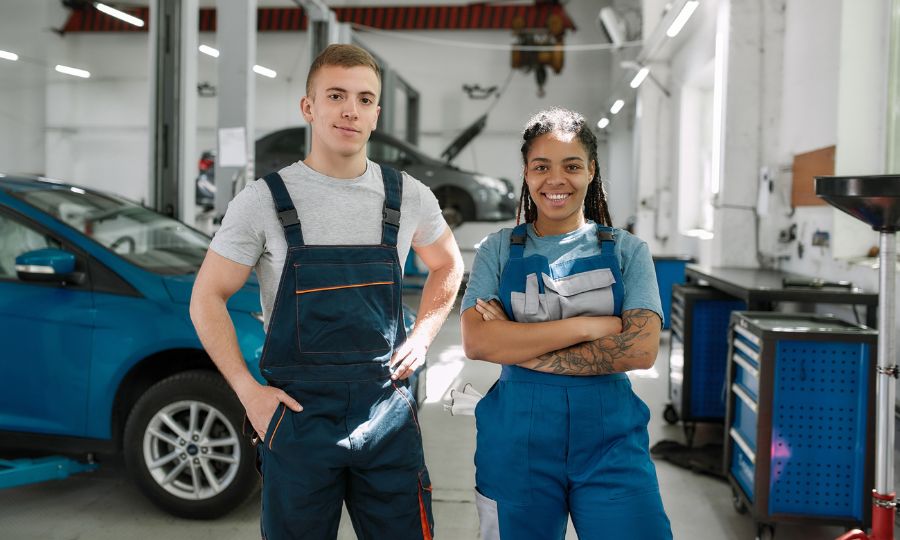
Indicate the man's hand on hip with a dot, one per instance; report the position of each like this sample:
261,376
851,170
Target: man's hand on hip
408,358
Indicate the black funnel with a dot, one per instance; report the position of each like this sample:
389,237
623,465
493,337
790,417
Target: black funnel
872,199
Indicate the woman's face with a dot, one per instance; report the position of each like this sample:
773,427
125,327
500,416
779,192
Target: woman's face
557,175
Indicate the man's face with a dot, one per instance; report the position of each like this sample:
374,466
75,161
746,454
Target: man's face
342,109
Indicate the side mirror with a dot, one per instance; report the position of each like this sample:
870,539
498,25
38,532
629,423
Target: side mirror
48,265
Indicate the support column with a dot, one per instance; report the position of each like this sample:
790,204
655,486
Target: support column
236,89
862,111
173,79
747,96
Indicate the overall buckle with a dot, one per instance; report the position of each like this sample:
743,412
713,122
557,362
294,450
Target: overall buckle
391,217
288,217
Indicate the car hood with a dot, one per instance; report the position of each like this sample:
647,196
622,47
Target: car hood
245,299
464,138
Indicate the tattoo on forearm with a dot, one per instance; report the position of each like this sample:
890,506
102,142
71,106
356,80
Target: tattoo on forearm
605,355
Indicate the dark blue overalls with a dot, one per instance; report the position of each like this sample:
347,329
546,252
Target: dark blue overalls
554,445
337,319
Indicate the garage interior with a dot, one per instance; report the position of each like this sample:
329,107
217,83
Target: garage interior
713,119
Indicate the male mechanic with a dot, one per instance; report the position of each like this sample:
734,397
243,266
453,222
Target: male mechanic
327,237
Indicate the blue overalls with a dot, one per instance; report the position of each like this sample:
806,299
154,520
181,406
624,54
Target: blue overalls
554,445
337,319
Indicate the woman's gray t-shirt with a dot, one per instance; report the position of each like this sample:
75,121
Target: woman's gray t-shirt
332,211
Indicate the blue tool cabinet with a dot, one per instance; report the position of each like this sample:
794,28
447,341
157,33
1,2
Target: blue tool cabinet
698,354
799,434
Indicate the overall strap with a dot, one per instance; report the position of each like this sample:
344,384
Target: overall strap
607,240
284,206
393,194
517,241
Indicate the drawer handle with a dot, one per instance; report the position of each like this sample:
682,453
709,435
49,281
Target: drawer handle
739,392
745,365
744,348
743,444
747,335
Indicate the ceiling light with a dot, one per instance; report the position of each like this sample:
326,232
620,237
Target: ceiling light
9,56
206,49
686,11
640,76
264,71
72,71
121,15
603,122
617,106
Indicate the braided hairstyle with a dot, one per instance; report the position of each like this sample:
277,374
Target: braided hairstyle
557,120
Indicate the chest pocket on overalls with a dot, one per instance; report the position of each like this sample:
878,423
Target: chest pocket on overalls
584,294
345,307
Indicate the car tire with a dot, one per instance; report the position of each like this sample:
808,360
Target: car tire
456,205
184,447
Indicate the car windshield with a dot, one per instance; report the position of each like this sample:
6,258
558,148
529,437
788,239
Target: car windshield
148,239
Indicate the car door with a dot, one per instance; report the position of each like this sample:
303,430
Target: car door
45,340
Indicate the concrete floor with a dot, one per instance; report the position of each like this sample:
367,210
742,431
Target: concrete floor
103,505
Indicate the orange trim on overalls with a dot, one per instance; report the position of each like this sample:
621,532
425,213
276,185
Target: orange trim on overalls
412,410
275,429
346,287
426,529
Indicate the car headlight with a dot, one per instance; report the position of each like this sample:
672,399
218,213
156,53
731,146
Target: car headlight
495,184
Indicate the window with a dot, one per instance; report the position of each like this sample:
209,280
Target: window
150,240
695,176
16,239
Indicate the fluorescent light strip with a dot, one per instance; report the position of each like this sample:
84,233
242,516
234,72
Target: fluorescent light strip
206,49
603,122
264,71
9,56
702,234
72,71
682,18
617,106
640,76
121,15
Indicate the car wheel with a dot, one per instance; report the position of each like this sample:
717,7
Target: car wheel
456,205
184,447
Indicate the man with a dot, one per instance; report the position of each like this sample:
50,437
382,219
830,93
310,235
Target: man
326,236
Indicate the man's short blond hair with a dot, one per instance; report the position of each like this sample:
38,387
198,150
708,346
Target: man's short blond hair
347,56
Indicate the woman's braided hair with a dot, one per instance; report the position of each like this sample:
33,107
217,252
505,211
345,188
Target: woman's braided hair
558,120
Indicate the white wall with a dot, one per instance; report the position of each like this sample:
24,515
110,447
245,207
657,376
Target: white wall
96,130
439,72
825,87
680,63
24,30
819,55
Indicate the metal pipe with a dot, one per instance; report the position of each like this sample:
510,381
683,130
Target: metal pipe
884,414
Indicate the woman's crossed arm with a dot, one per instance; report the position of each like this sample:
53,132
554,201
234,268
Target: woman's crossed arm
576,346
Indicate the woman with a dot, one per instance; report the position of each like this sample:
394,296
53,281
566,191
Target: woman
567,305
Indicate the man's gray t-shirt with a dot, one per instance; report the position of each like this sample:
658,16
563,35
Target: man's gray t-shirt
332,211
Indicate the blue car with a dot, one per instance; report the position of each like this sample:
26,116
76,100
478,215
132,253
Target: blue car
98,355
